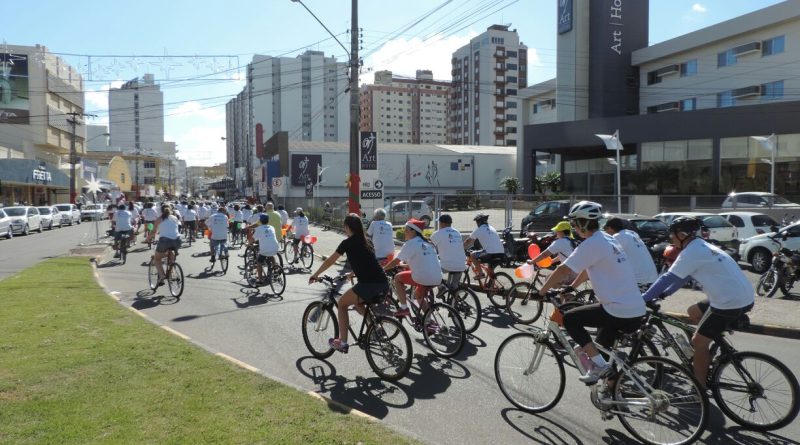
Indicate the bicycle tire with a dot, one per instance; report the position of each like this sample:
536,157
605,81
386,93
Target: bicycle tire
277,279
523,303
466,303
175,280
443,330
307,256
498,287
512,360
675,382
250,273
319,322
223,263
393,340
728,406
291,255
768,283
123,251
152,274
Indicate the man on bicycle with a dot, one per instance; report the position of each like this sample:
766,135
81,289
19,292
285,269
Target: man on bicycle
274,220
190,220
451,250
424,265
168,228
382,236
300,229
218,225
601,259
122,225
730,294
491,245
268,246
638,254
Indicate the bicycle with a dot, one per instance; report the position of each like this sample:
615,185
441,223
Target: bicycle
440,324
286,237
274,275
173,274
302,252
525,305
237,236
733,377
122,244
495,284
383,339
148,229
651,396
221,252
465,301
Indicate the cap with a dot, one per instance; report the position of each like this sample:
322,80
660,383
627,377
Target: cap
299,209
264,219
416,225
561,226
445,218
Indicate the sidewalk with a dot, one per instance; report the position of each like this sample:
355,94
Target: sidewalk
770,316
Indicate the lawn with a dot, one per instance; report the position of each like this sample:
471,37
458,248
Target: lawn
78,368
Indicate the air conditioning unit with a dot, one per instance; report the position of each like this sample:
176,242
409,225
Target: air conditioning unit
747,48
668,70
740,93
669,106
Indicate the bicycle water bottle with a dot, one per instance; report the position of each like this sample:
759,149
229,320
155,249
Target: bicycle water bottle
684,345
584,358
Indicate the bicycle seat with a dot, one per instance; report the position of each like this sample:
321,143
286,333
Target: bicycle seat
495,260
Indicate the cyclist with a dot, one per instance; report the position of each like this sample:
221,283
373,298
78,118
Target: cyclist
451,250
236,218
122,225
218,225
168,229
275,220
601,259
149,215
300,229
730,294
284,216
135,220
268,246
247,213
256,218
491,245
637,252
424,265
372,283
190,220
381,234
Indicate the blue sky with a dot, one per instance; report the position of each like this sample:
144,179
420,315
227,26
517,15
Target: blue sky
196,87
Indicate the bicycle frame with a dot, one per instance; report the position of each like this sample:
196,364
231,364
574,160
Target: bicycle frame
330,301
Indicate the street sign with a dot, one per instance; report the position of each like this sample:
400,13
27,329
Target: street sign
309,189
378,184
371,194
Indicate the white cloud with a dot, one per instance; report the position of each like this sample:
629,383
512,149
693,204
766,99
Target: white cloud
697,7
201,145
194,109
405,57
97,102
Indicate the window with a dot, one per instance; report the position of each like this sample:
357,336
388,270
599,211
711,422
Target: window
511,66
725,99
772,90
726,58
772,46
511,117
498,40
511,105
511,91
689,104
122,177
535,108
511,79
653,78
689,68
736,221
511,53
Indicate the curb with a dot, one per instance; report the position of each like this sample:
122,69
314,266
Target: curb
760,329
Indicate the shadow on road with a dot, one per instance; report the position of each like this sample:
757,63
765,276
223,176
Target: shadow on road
540,429
147,298
496,317
253,297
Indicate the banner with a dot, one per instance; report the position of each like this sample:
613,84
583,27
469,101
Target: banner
369,151
304,169
564,16
14,89
371,187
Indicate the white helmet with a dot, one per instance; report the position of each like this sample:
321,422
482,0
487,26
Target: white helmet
585,210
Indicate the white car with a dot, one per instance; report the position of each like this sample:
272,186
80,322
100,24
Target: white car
719,228
51,217
758,250
5,225
402,211
69,214
24,219
756,199
750,224
91,212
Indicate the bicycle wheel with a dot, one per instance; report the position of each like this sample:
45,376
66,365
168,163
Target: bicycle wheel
291,255
307,255
319,324
388,349
768,283
586,296
152,274
223,262
670,409
175,280
250,273
443,330
523,303
123,250
523,368
466,303
277,279
498,287
756,391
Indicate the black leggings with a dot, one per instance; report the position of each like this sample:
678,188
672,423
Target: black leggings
595,316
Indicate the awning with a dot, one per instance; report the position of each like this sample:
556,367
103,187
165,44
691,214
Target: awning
32,172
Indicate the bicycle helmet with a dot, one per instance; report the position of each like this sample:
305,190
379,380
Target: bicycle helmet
481,218
685,224
264,219
585,210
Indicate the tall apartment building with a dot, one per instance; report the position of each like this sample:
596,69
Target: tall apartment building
406,111
487,74
136,115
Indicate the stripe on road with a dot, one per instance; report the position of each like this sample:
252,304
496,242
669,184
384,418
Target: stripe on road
174,332
239,363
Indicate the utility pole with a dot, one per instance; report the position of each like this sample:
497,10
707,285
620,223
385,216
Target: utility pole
355,180
73,155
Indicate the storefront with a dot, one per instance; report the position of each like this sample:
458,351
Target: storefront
32,182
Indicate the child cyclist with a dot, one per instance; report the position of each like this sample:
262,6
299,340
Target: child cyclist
267,246
425,268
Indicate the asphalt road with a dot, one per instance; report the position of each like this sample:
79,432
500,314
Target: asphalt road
440,401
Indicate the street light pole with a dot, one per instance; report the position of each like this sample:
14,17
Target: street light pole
73,155
768,143
612,142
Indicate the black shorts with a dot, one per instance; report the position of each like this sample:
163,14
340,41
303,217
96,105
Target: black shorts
716,321
192,225
165,244
118,234
262,259
370,293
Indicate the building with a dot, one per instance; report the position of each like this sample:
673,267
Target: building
684,108
403,110
97,137
154,173
304,96
537,105
487,76
136,114
38,90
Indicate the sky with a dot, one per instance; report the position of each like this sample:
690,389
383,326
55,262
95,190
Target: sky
198,49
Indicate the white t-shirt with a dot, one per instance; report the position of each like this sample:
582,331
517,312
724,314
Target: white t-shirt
168,228
218,224
382,237
451,249
255,218
284,217
123,221
202,212
722,279
561,248
134,213
238,216
300,224
421,257
189,215
611,275
150,214
644,269
246,214
267,242
181,210
490,240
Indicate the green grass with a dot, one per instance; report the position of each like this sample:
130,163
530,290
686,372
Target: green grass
78,368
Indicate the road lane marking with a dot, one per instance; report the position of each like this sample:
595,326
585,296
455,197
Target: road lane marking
342,406
238,363
174,332
137,312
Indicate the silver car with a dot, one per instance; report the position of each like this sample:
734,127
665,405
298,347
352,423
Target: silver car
24,219
69,214
5,225
51,217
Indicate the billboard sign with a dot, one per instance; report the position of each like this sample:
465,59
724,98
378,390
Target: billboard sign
304,169
564,16
14,89
369,150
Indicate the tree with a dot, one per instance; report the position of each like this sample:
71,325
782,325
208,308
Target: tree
511,184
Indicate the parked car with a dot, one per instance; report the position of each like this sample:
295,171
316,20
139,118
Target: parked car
24,219
750,224
402,211
5,225
719,228
69,214
625,217
758,250
51,217
544,216
91,212
756,199
651,230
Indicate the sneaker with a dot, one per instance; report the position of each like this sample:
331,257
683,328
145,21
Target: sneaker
212,260
338,345
597,373
402,313
432,328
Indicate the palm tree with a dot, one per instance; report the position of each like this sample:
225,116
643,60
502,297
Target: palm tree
511,184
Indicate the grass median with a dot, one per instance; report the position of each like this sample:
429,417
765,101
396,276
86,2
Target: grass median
77,368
